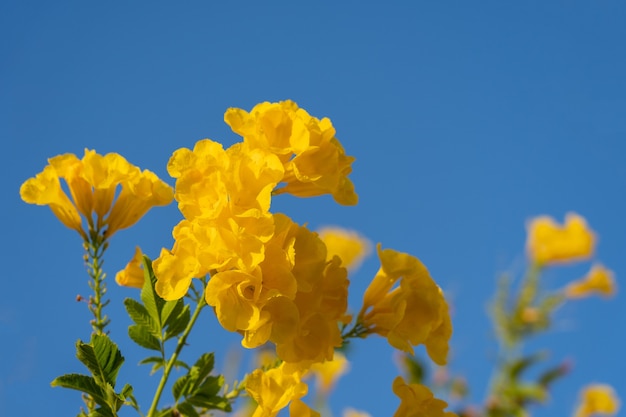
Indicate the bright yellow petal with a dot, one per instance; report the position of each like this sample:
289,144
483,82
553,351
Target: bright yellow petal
132,275
550,243
599,280
596,400
45,189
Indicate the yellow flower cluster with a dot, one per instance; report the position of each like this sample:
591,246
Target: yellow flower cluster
107,186
405,305
272,280
549,243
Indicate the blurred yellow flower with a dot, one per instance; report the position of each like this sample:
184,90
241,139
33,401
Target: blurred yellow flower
598,280
132,274
596,400
417,400
93,184
327,373
351,412
351,247
549,243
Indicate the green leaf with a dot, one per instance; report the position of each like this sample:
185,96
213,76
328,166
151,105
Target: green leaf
178,324
143,337
140,316
187,410
151,300
102,357
188,384
552,374
415,368
199,388
206,395
171,309
82,383
517,367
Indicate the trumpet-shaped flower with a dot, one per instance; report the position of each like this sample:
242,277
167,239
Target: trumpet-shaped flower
417,400
315,162
550,243
351,247
274,389
405,305
599,280
93,183
596,400
132,275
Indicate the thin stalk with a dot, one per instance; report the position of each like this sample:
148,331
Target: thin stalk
95,247
170,364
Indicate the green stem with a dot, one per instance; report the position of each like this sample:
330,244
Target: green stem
95,247
170,364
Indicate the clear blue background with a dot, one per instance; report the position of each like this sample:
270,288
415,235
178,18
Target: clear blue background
466,119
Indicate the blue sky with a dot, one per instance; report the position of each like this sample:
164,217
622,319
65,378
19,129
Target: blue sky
466,119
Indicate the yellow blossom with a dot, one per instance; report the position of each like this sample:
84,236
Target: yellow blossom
351,247
414,312
132,274
93,182
597,400
327,373
351,412
274,389
314,160
417,400
599,280
549,242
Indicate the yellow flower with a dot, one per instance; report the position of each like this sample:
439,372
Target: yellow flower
597,399
327,373
132,274
599,280
549,243
350,412
351,247
414,312
315,162
45,189
416,400
274,389
93,182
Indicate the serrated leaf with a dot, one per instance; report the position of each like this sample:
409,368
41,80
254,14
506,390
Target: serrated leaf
171,309
138,313
178,324
82,383
187,410
101,357
151,300
143,337
189,384
206,395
